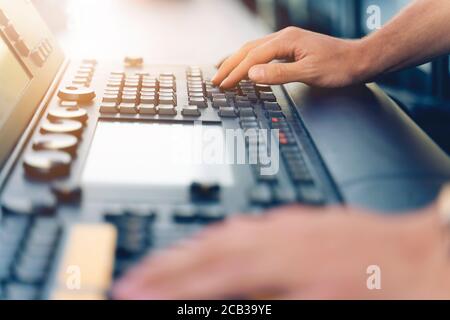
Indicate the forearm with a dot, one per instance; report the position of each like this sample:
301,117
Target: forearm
419,33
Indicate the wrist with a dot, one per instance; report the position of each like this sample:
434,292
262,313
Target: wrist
366,58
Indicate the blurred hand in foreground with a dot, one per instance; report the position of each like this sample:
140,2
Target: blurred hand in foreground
299,253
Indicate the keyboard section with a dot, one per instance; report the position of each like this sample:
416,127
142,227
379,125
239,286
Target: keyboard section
63,236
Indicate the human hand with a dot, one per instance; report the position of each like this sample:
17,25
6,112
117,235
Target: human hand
312,58
299,253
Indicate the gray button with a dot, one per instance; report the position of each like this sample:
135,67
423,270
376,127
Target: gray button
267,96
167,110
128,108
227,112
130,92
192,111
285,195
246,112
263,87
148,99
196,95
148,91
147,109
219,102
261,194
129,99
167,100
199,102
111,98
114,84
271,106
149,84
108,107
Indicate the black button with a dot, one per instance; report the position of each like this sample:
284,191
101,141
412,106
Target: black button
69,113
205,192
62,126
211,215
82,95
22,206
19,291
185,215
227,112
271,106
66,192
62,142
261,194
263,88
310,194
267,96
246,112
47,164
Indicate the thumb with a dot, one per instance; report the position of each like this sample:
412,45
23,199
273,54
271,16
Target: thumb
275,73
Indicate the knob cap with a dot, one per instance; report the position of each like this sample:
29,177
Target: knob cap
72,93
47,165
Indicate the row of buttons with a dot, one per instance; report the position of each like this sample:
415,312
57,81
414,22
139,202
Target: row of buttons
12,34
194,79
27,247
140,93
42,52
55,147
138,232
83,76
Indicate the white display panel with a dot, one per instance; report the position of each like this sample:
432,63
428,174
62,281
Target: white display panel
153,154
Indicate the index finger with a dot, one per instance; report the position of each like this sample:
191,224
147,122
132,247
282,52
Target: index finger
234,60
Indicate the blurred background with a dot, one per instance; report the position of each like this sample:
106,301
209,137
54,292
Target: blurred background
204,31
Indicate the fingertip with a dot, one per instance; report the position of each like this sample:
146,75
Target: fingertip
256,74
214,79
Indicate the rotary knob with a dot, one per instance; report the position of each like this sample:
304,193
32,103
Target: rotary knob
78,94
62,126
68,113
47,165
61,142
